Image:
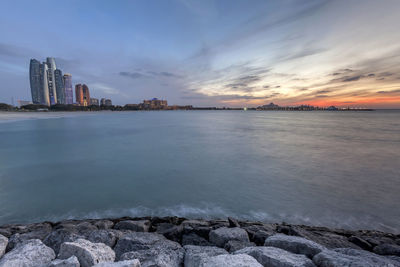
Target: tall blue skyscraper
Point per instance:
(69, 97)
(35, 80)
(59, 82)
(51, 64)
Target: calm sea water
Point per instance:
(339, 169)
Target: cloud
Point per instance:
(10, 50)
(132, 75)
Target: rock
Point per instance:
(108, 237)
(387, 249)
(88, 253)
(85, 228)
(260, 236)
(360, 242)
(170, 231)
(239, 260)
(222, 235)
(142, 240)
(137, 226)
(104, 224)
(195, 254)
(233, 222)
(233, 245)
(195, 223)
(59, 236)
(70, 262)
(31, 253)
(3, 245)
(294, 244)
(39, 231)
(276, 257)
(194, 239)
(352, 257)
(157, 257)
(127, 263)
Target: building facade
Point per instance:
(155, 104)
(105, 102)
(94, 101)
(59, 82)
(69, 96)
(36, 82)
(82, 94)
(51, 65)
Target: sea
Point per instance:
(336, 169)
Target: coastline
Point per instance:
(178, 241)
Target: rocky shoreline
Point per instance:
(175, 241)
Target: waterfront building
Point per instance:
(23, 103)
(59, 83)
(105, 102)
(69, 96)
(94, 101)
(36, 82)
(51, 65)
(44, 85)
(154, 104)
(82, 94)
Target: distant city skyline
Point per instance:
(207, 53)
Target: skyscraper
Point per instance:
(82, 94)
(35, 81)
(69, 97)
(59, 82)
(51, 64)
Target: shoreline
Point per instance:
(176, 241)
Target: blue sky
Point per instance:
(206, 53)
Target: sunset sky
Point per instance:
(210, 53)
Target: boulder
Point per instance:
(108, 237)
(170, 231)
(194, 239)
(360, 242)
(195, 254)
(88, 253)
(352, 257)
(39, 231)
(142, 240)
(276, 257)
(104, 224)
(238, 260)
(294, 244)
(70, 262)
(128, 263)
(195, 223)
(30, 253)
(233, 222)
(233, 245)
(222, 235)
(59, 236)
(160, 257)
(137, 226)
(3, 245)
(387, 249)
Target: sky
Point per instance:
(232, 53)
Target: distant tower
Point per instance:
(51, 64)
(35, 81)
(79, 94)
(69, 97)
(59, 82)
(86, 95)
(44, 92)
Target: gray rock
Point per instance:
(239, 260)
(30, 253)
(104, 224)
(141, 240)
(360, 242)
(88, 253)
(195, 254)
(234, 245)
(3, 245)
(157, 257)
(233, 222)
(387, 249)
(85, 228)
(127, 263)
(195, 223)
(108, 237)
(194, 239)
(59, 236)
(222, 235)
(352, 257)
(70, 262)
(294, 244)
(276, 257)
(137, 226)
(170, 231)
(39, 231)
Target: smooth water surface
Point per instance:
(339, 169)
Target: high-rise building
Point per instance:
(59, 82)
(51, 64)
(44, 90)
(82, 94)
(35, 81)
(69, 96)
(105, 102)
